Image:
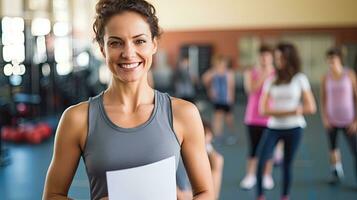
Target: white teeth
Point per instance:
(129, 65)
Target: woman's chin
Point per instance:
(132, 78)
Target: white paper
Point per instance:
(155, 181)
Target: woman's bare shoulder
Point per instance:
(183, 108)
(74, 121)
(78, 111)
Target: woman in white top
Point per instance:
(285, 99)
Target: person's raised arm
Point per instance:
(323, 103)
(67, 150)
(264, 108)
(251, 85)
(308, 103)
(188, 126)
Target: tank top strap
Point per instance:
(165, 107)
(93, 111)
(169, 111)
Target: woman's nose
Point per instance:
(128, 51)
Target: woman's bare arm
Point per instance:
(308, 103)
(265, 110)
(250, 85)
(188, 126)
(67, 150)
(323, 103)
(308, 106)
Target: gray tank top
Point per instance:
(110, 147)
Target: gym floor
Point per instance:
(24, 177)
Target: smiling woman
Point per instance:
(128, 46)
(129, 124)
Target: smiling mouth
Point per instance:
(129, 65)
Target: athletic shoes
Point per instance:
(336, 173)
(268, 182)
(248, 182)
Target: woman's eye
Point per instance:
(114, 44)
(140, 41)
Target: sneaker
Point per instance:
(268, 182)
(336, 174)
(248, 182)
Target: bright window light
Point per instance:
(63, 51)
(14, 53)
(40, 26)
(40, 53)
(46, 69)
(83, 59)
(6, 24)
(61, 29)
(104, 74)
(8, 70)
(64, 68)
(22, 69)
(8, 53)
(9, 38)
(16, 70)
(12, 24)
(18, 24)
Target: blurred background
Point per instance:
(48, 61)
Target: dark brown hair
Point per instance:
(264, 48)
(335, 51)
(290, 61)
(105, 9)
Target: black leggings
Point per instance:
(291, 139)
(350, 137)
(255, 133)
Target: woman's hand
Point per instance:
(299, 110)
(326, 123)
(352, 129)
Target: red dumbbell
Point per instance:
(34, 137)
(44, 129)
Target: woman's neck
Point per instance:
(337, 71)
(129, 94)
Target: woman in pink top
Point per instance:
(253, 83)
(338, 110)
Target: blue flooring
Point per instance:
(24, 177)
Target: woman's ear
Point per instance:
(154, 41)
(102, 50)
